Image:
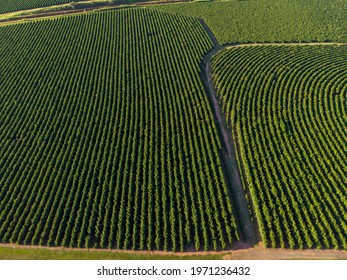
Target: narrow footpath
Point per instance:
(248, 231)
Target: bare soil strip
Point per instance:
(247, 228)
(286, 254)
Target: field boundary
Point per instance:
(140, 252)
(257, 253)
(242, 45)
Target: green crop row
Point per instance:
(286, 106)
(7, 6)
(106, 135)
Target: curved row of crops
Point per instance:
(287, 109)
(106, 135)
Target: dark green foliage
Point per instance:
(106, 135)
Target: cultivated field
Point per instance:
(174, 127)
(38, 8)
(16, 5)
(108, 139)
(286, 107)
(270, 20)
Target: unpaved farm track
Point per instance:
(285, 254)
(248, 229)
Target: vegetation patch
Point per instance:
(286, 107)
(107, 136)
(270, 21)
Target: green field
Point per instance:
(112, 134)
(287, 109)
(107, 137)
(17, 5)
(7, 6)
(15, 253)
(270, 20)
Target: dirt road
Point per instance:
(285, 254)
(247, 228)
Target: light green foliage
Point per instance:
(270, 20)
(107, 137)
(7, 253)
(286, 106)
